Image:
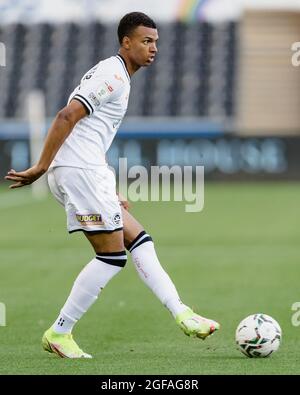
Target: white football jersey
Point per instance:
(104, 91)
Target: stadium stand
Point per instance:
(194, 74)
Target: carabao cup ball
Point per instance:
(258, 336)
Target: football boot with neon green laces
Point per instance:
(194, 325)
(62, 344)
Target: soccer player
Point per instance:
(80, 179)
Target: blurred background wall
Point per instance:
(223, 91)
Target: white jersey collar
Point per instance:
(121, 59)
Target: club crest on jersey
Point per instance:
(89, 219)
(117, 219)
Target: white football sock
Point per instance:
(151, 272)
(87, 286)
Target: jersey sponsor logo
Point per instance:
(117, 219)
(89, 219)
(94, 99)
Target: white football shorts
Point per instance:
(89, 198)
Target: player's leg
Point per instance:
(104, 232)
(141, 247)
(147, 264)
(110, 259)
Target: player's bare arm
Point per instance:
(60, 129)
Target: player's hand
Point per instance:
(23, 178)
(124, 202)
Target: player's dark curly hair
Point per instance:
(131, 21)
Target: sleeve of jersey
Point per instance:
(97, 91)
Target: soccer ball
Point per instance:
(258, 336)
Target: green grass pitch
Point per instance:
(239, 256)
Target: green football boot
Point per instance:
(194, 325)
(62, 344)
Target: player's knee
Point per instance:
(118, 258)
(140, 239)
(103, 242)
